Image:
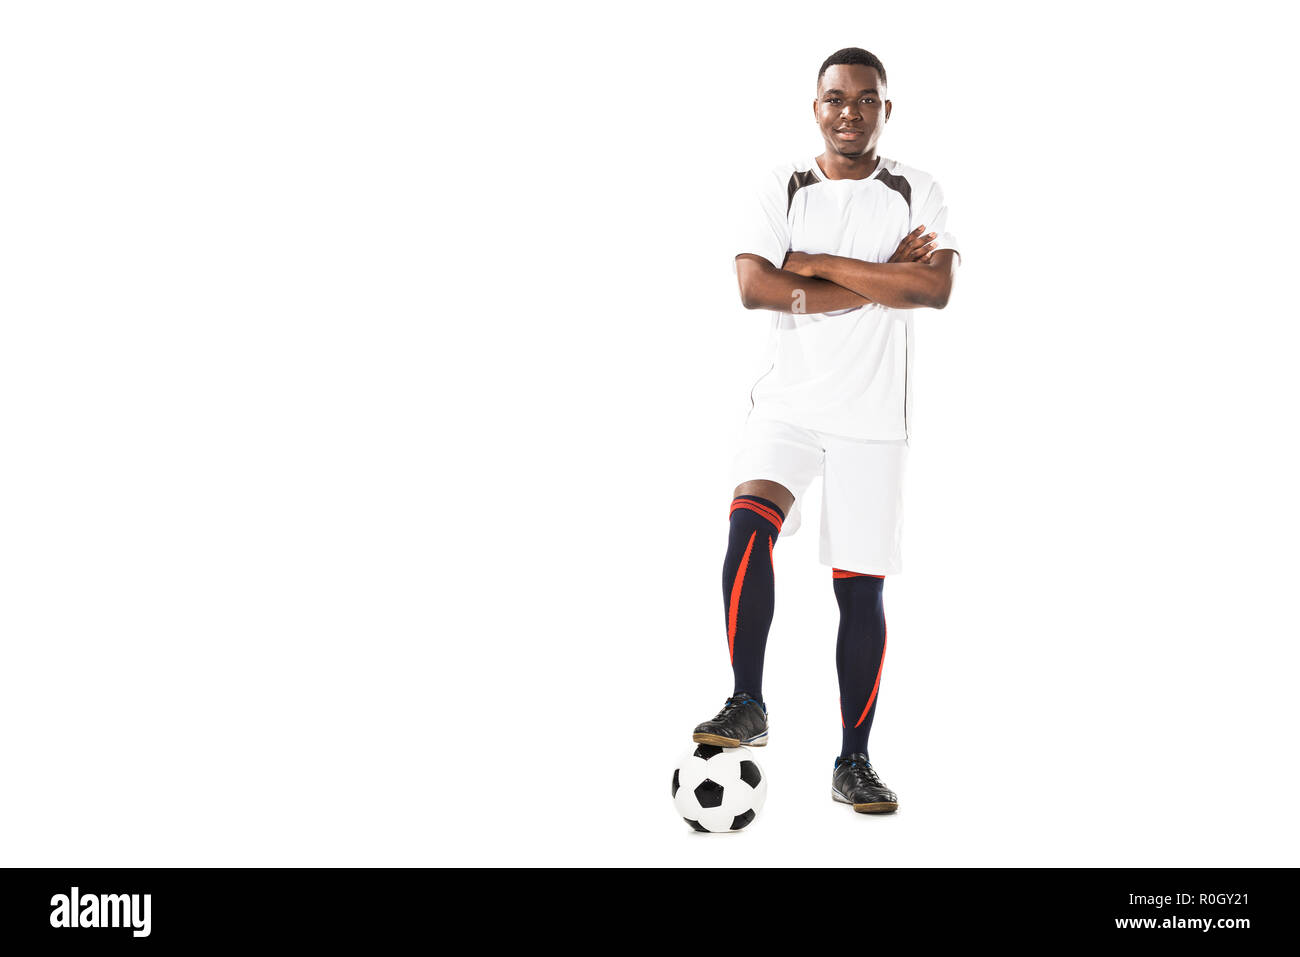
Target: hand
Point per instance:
(799, 263)
(915, 247)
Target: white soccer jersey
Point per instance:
(848, 372)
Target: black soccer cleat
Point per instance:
(855, 782)
(742, 721)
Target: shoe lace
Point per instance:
(734, 702)
(862, 773)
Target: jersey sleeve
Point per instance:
(764, 224)
(933, 214)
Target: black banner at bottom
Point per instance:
(145, 908)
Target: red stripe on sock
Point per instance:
(876, 687)
(841, 573)
(771, 515)
(734, 610)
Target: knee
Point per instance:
(857, 587)
(858, 594)
(774, 492)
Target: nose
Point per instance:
(850, 110)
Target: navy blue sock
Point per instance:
(859, 654)
(748, 587)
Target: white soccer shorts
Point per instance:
(862, 489)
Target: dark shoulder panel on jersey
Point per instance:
(800, 179)
(899, 183)
(797, 182)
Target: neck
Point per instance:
(839, 166)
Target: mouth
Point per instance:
(849, 132)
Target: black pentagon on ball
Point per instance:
(676, 782)
(707, 751)
(750, 774)
(696, 824)
(709, 793)
(742, 819)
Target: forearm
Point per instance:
(783, 291)
(906, 285)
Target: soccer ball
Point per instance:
(718, 789)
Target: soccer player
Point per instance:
(841, 249)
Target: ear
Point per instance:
(889, 108)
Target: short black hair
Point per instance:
(853, 56)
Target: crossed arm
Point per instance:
(915, 276)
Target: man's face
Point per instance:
(851, 109)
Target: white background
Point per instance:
(369, 379)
